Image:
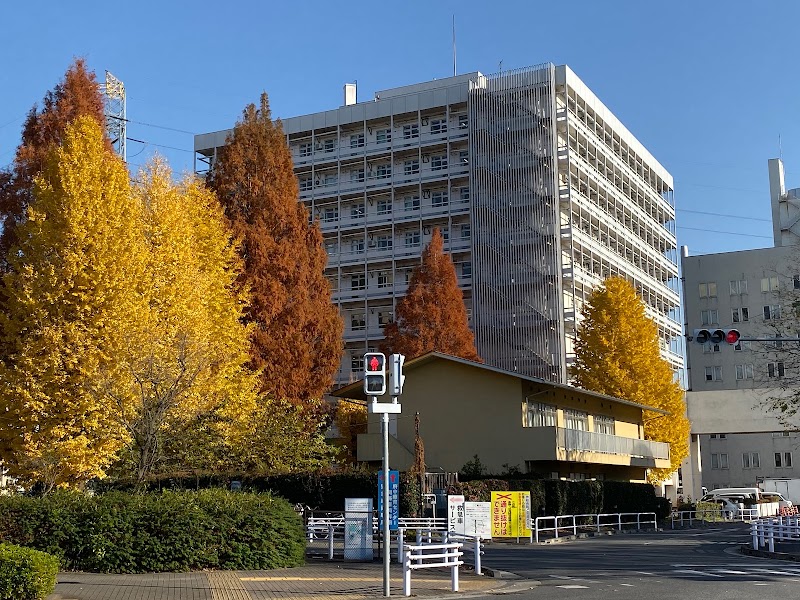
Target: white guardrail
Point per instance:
(766, 531)
(572, 523)
(684, 517)
(429, 556)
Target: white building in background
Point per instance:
(539, 190)
(735, 441)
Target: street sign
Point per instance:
(394, 499)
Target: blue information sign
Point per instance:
(394, 499)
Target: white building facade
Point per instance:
(736, 441)
(538, 189)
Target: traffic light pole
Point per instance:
(386, 534)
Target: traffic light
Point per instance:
(396, 377)
(716, 336)
(374, 374)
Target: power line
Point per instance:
(152, 125)
(700, 212)
(768, 237)
(159, 145)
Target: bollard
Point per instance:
(619, 521)
(754, 531)
(638, 521)
(407, 573)
(330, 542)
(400, 540)
(574, 526)
(771, 540)
(454, 571)
(478, 555)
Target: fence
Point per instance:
(712, 515)
(766, 531)
(572, 523)
(430, 556)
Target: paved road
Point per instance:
(703, 564)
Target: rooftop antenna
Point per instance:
(454, 45)
(780, 148)
(501, 66)
(116, 114)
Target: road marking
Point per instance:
(693, 572)
(773, 572)
(762, 584)
(627, 584)
(732, 572)
(645, 573)
(568, 578)
(573, 587)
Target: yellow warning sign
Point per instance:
(511, 514)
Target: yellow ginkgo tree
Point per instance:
(618, 354)
(70, 302)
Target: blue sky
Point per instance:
(707, 87)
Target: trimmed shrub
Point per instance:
(169, 531)
(26, 574)
(663, 508)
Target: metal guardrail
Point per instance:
(572, 523)
(591, 441)
(430, 556)
(712, 515)
(766, 531)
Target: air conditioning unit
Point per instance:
(426, 158)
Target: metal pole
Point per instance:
(386, 546)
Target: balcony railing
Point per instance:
(589, 441)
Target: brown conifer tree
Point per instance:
(432, 315)
(297, 340)
(78, 94)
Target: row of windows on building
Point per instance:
(358, 281)
(383, 135)
(708, 289)
(538, 414)
(751, 460)
(710, 316)
(385, 206)
(746, 371)
(436, 162)
(387, 241)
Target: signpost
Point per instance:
(374, 386)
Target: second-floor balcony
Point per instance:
(573, 445)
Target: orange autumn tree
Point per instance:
(78, 94)
(432, 315)
(617, 354)
(297, 334)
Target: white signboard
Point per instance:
(358, 529)
(478, 519)
(455, 514)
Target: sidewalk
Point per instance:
(317, 580)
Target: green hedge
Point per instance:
(170, 531)
(26, 574)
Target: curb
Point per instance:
(592, 534)
(749, 551)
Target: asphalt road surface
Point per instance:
(701, 563)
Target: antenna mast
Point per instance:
(454, 45)
(116, 116)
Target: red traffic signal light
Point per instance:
(732, 336)
(374, 374)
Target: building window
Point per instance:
(384, 207)
(739, 346)
(357, 246)
(358, 281)
(439, 198)
(796, 282)
(738, 287)
(357, 140)
(540, 415)
(385, 317)
(772, 312)
(384, 279)
(357, 210)
(411, 203)
(744, 372)
(751, 460)
(775, 369)
(357, 176)
(709, 317)
(329, 145)
(410, 131)
(438, 126)
(709, 347)
(465, 194)
(411, 167)
(383, 171)
(356, 364)
(769, 284)
(719, 461)
(330, 214)
(708, 290)
(438, 162)
(740, 315)
(306, 184)
(384, 242)
(463, 157)
(412, 239)
(465, 231)
(463, 121)
(383, 136)
(576, 419)
(330, 179)
(358, 322)
(306, 149)
(466, 269)
(604, 425)
(713, 373)
(787, 460)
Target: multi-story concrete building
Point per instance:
(539, 191)
(735, 440)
